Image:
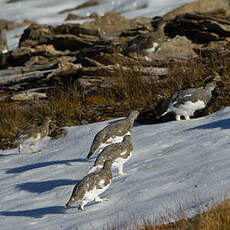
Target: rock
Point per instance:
(37, 34)
(28, 96)
(84, 5)
(199, 28)
(78, 17)
(201, 6)
(69, 42)
(75, 17)
(177, 48)
(39, 55)
(107, 24)
(46, 50)
(65, 69)
(93, 56)
(9, 25)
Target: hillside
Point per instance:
(73, 63)
(175, 164)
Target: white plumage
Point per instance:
(186, 102)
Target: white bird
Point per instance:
(119, 153)
(186, 102)
(31, 134)
(113, 133)
(91, 186)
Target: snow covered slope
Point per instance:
(179, 162)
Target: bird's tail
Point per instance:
(162, 114)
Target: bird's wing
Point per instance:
(108, 153)
(23, 133)
(99, 138)
(117, 126)
(181, 97)
(191, 94)
(79, 190)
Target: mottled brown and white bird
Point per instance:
(3, 42)
(119, 153)
(186, 102)
(113, 133)
(31, 134)
(148, 43)
(91, 186)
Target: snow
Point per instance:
(182, 163)
(47, 12)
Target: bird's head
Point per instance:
(212, 78)
(211, 81)
(133, 115)
(157, 22)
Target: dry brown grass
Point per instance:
(216, 217)
(131, 91)
(64, 107)
(136, 93)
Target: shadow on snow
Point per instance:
(223, 124)
(44, 164)
(35, 213)
(44, 186)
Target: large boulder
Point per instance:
(177, 48)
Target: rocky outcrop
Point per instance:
(95, 59)
(201, 6)
(94, 54)
(90, 52)
(199, 28)
(179, 48)
(84, 5)
(10, 25)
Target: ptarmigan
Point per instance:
(31, 134)
(147, 43)
(91, 186)
(113, 133)
(119, 153)
(186, 102)
(3, 42)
